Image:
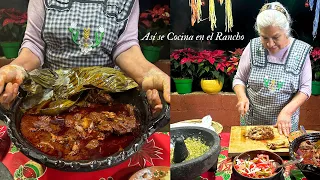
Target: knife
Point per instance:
(303, 130)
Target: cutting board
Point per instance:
(239, 143)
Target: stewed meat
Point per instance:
(83, 132)
(260, 133)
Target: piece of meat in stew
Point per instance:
(98, 129)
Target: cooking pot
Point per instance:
(308, 170)
(148, 125)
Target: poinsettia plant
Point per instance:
(212, 65)
(233, 61)
(12, 25)
(153, 24)
(315, 63)
(183, 63)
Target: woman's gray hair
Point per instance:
(274, 14)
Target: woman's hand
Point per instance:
(284, 123)
(11, 76)
(156, 80)
(243, 105)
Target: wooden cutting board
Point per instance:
(239, 143)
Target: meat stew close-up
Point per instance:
(93, 128)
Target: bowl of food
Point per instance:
(307, 146)
(194, 150)
(81, 119)
(295, 134)
(257, 164)
(152, 173)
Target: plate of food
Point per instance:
(152, 173)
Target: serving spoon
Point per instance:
(291, 162)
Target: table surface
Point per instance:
(155, 152)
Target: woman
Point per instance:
(73, 33)
(274, 75)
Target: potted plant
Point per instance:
(232, 66)
(212, 66)
(153, 29)
(12, 28)
(315, 64)
(183, 68)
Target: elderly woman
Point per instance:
(274, 75)
(67, 33)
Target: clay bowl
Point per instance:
(195, 167)
(308, 170)
(251, 154)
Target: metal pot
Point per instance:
(148, 125)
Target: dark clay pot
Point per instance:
(148, 125)
(278, 176)
(195, 167)
(308, 170)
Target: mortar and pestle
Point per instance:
(190, 169)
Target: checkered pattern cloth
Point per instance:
(271, 86)
(108, 16)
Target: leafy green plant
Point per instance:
(13, 25)
(315, 63)
(183, 63)
(153, 24)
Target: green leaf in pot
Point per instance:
(61, 85)
(80, 79)
(57, 107)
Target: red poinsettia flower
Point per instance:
(315, 54)
(13, 23)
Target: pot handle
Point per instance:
(162, 119)
(5, 113)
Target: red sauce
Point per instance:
(111, 144)
(310, 153)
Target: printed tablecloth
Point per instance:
(155, 152)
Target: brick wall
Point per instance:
(222, 108)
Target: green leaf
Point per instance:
(219, 173)
(297, 174)
(215, 74)
(226, 176)
(176, 64)
(221, 79)
(201, 73)
(190, 72)
(207, 69)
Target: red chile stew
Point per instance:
(310, 151)
(82, 133)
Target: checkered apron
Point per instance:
(83, 32)
(271, 86)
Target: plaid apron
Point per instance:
(272, 86)
(83, 32)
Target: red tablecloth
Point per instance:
(155, 152)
